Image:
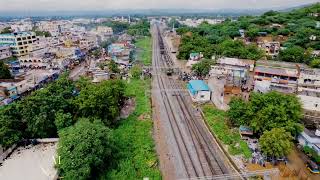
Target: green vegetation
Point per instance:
(136, 71)
(4, 71)
(93, 143)
(296, 29)
(113, 67)
(43, 33)
(84, 149)
(203, 67)
(294, 54)
(274, 116)
(312, 154)
(267, 111)
(137, 158)
(139, 29)
(6, 30)
(276, 143)
(217, 121)
(145, 46)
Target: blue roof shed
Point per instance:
(197, 85)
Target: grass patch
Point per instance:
(145, 46)
(136, 157)
(216, 120)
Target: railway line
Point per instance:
(198, 152)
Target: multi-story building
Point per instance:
(5, 52)
(105, 30)
(53, 27)
(21, 26)
(18, 42)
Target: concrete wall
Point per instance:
(201, 96)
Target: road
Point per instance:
(192, 150)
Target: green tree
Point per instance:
(4, 71)
(6, 30)
(238, 112)
(252, 33)
(136, 71)
(113, 67)
(292, 54)
(203, 67)
(101, 101)
(11, 125)
(43, 33)
(84, 149)
(276, 143)
(267, 111)
(315, 63)
(273, 110)
(63, 120)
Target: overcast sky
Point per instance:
(76, 5)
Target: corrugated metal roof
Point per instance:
(197, 85)
(277, 71)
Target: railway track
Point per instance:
(198, 151)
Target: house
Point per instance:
(245, 131)
(5, 52)
(310, 138)
(310, 103)
(8, 93)
(195, 56)
(271, 48)
(242, 33)
(313, 38)
(199, 91)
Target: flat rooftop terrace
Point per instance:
(30, 163)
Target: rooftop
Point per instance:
(18, 33)
(34, 162)
(197, 85)
(277, 71)
(235, 62)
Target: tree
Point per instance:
(113, 67)
(136, 71)
(252, 33)
(238, 112)
(101, 101)
(292, 54)
(276, 143)
(6, 30)
(267, 111)
(63, 120)
(315, 63)
(43, 33)
(4, 71)
(203, 67)
(11, 125)
(84, 149)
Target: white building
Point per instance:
(18, 42)
(5, 52)
(199, 91)
(21, 26)
(310, 138)
(53, 27)
(105, 30)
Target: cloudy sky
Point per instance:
(53, 5)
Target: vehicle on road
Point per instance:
(313, 167)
